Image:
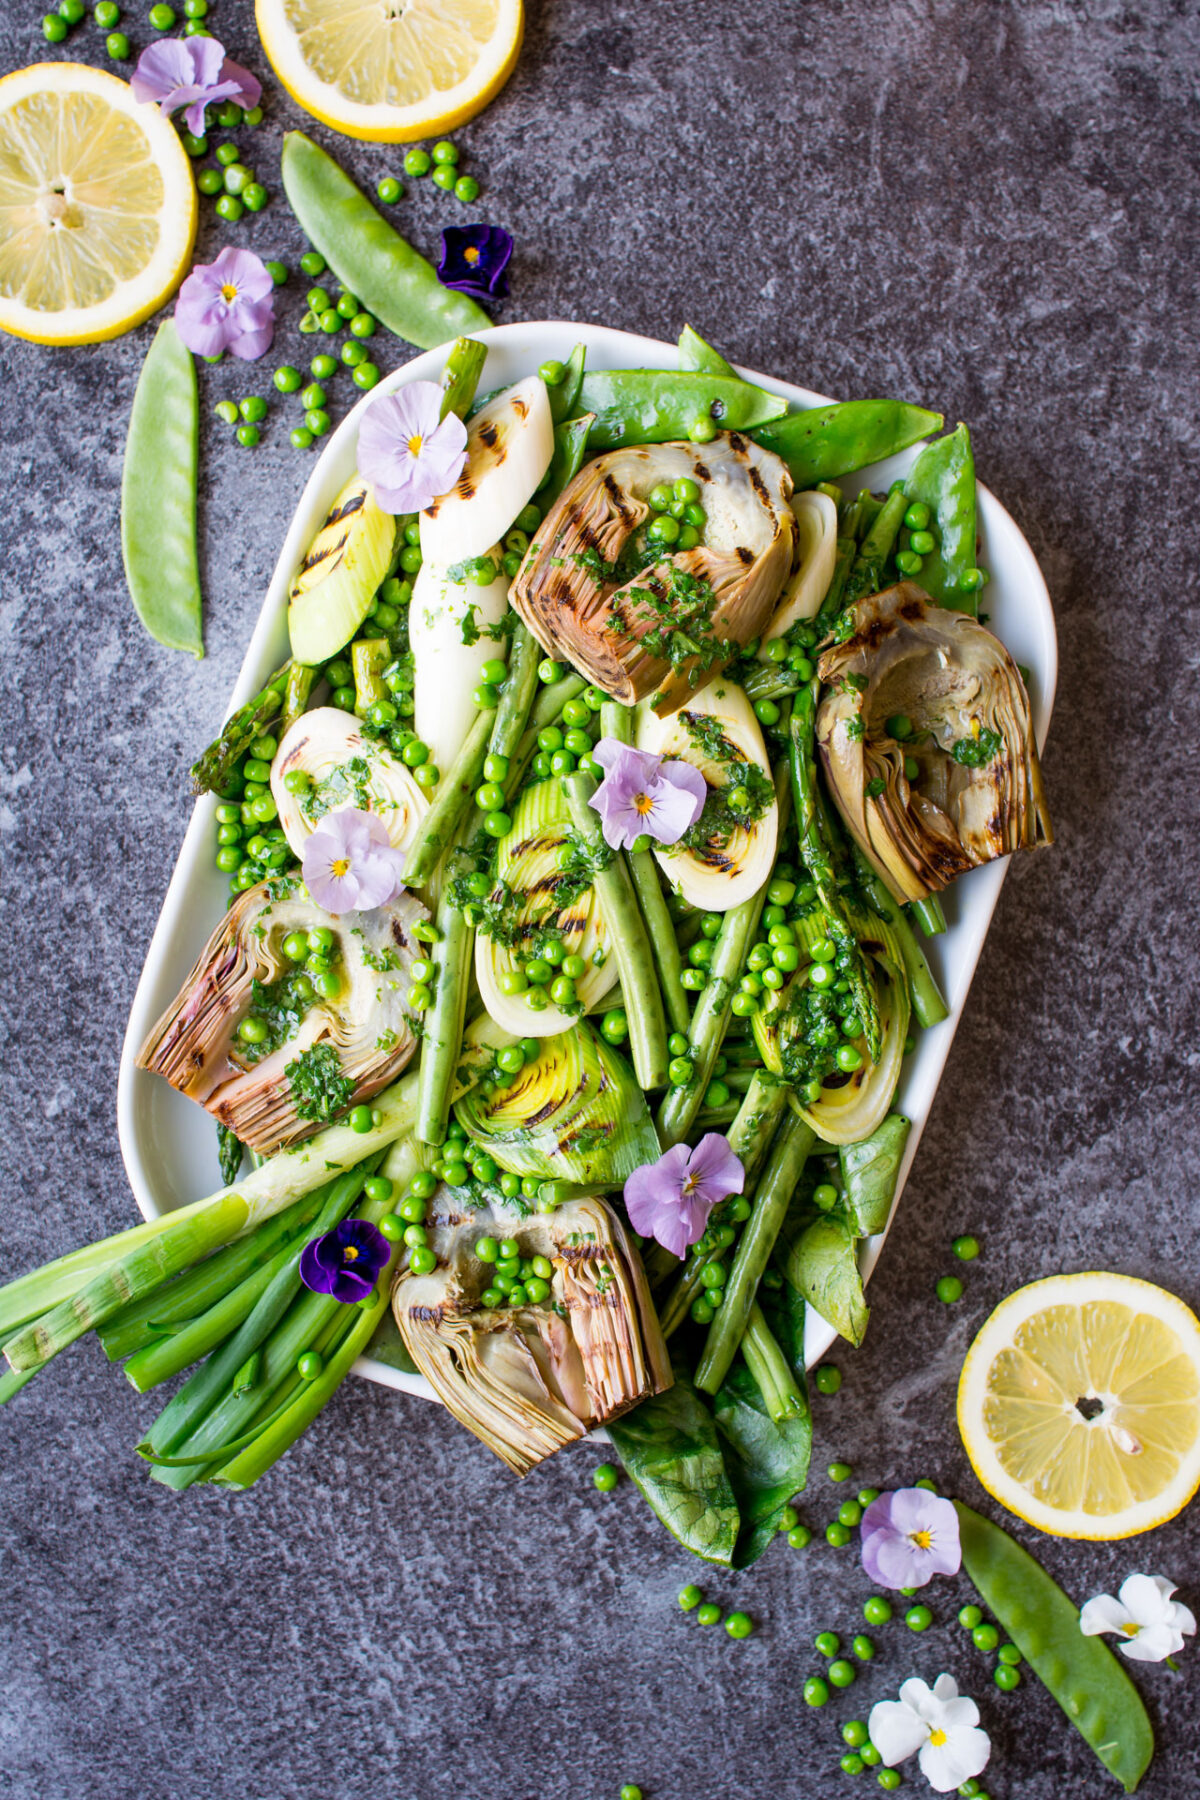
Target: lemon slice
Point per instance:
(97, 205)
(1079, 1405)
(392, 69)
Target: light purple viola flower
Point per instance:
(350, 864)
(670, 1200)
(474, 260)
(643, 796)
(407, 451)
(228, 304)
(909, 1536)
(346, 1261)
(193, 72)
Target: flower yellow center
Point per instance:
(1131, 1630)
(229, 292)
(471, 254)
(414, 443)
(690, 1184)
(350, 1253)
(937, 1737)
(340, 867)
(642, 803)
(922, 1539)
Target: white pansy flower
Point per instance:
(937, 1725)
(1149, 1624)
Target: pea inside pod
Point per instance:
(654, 406)
(158, 495)
(823, 442)
(1080, 1672)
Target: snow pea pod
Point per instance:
(823, 442)
(1081, 1673)
(652, 406)
(564, 397)
(943, 477)
(368, 257)
(158, 495)
(694, 353)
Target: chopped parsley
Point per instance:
(280, 1006)
(319, 1089)
(977, 752)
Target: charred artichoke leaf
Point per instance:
(978, 793)
(638, 625)
(318, 1056)
(573, 1113)
(529, 1379)
(345, 768)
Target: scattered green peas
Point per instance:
(162, 17)
(866, 1495)
(889, 1779)
(317, 421)
(107, 14)
(209, 181)
(877, 1610)
(839, 1471)
(708, 1614)
(918, 1618)
(360, 1119)
(118, 46)
(985, 1637)
(827, 1643)
(630, 1791)
(703, 431)
(1008, 1653)
(689, 1597)
(854, 1733)
(390, 190)
(843, 1674)
(970, 1616)
(309, 1365)
(851, 1763)
(1006, 1677)
(604, 1478)
(949, 1289)
(254, 410)
(422, 1261)
(863, 1648)
(302, 439)
(739, 1625)
(816, 1691)
(444, 176)
(966, 1248)
(799, 1537)
(837, 1534)
(366, 375)
(248, 436)
(444, 151)
(229, 208)
(287, 379)
(466, 189)
(226, 411)
(850, 1512)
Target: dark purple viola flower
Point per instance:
(346, 1261)
(909, 1536)
(474, 260)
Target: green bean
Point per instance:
(823, 442)
(215, 765)
(774, 1375)
(368, 257)
(564, 396)
(943, 476)
(1081, 1673)
(547, 710)
(831, 606)
(455, 794)
(619, 907)
(443, 1022)
(460, 377)
(929, 915)
(928, 1006)
(158, 495)
(369, 657)
(651, 406)
(517, 697)
(788, 1155)
(296, 695)
(570, 447)
(694, 353)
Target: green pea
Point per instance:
(917, 516)
(889, 1779)
(466, 189)
(107, 14)
(229, 208)
(837, 1534)
(799, 1537)
(970, 1616)
(630, 1791)
(851, 1763)
(444, 151)
(703, 431)
(922, 542)
(850, 1512)
(869, 1754)
(966, 1248)
(317, 420)
(444, 176)
(1006, 1677)
(908, 562)
(162, 17)
(604, 1478)
(949, 1289)
(253, 409)
(309, 1365)
(839, 1471)
(816, 1691)
(347, 306)
(827, 1643)
(842, 1673)
(118, 46)
(854, 1733)
(663, 529)
(248, 436)
(985, 1637)
(708, 1614)
(209, 181)
(226, 411)
(918, 1618)
(739, 1625)
(689, 1597)
(828, 1379)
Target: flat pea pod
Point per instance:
(368, 257)
(823, 442)
(1081, 1673)
(564, 397)
(158, 495)
(650, 406)
(694, 353)
(943, 476)
(570, 447)
(870, 1170)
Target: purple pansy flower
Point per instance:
(474, 260)
(346, 1261)
(641, 795)
(192, 72)
(227, 305)
(671, 1199)
(909, 1536)
(407, 451)
(350, 864)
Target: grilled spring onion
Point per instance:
(344, 768)
(340, 573)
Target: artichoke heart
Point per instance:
(637, 624)
(336, 582)
(574, 1113)
(729, 852)
(528, 1379)
(306, 1059)
(977, 793)
(345, 769)
(799, 1029)
(535, 897)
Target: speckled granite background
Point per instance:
(989, 207)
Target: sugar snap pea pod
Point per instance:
(213, 769)
(564, 396)
(460, 377)
(928, 1006)
(870, 1170)
(368, 257)
(158, 495)
(943, 478)
(455, 793)
(823, 442)
(1081, 1673)
(570, 447)
(694, 353)
(614, 891)
(443, 1023)
(788, 1155)
(651, 406)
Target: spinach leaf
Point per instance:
(670, 1449)
(870, 1170)
(822, 1265)
(767, 1463)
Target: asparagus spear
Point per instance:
(295, 700)
(454, 795)
(213, 769)
(771, 1370)
(460, 377)
(928, 1006)
(443, 1023)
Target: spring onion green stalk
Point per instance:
(163, 1357)
(929, 915)
(928, 1006)
(455, 794)
(460, 377)
(771, 1370)
(443, 1023)
(775, 1190)
(616, 721)
(631, 951)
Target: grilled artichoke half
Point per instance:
(978, 791)
(340, 1051)
(529, 1379)
(667, 627)
(344, 769)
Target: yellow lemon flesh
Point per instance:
(97, 205)
(392, 69)
(1079, 1405)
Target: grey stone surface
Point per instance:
(989, 207)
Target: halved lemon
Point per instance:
(1079, 1405)
(97, 205)
(392, 69)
